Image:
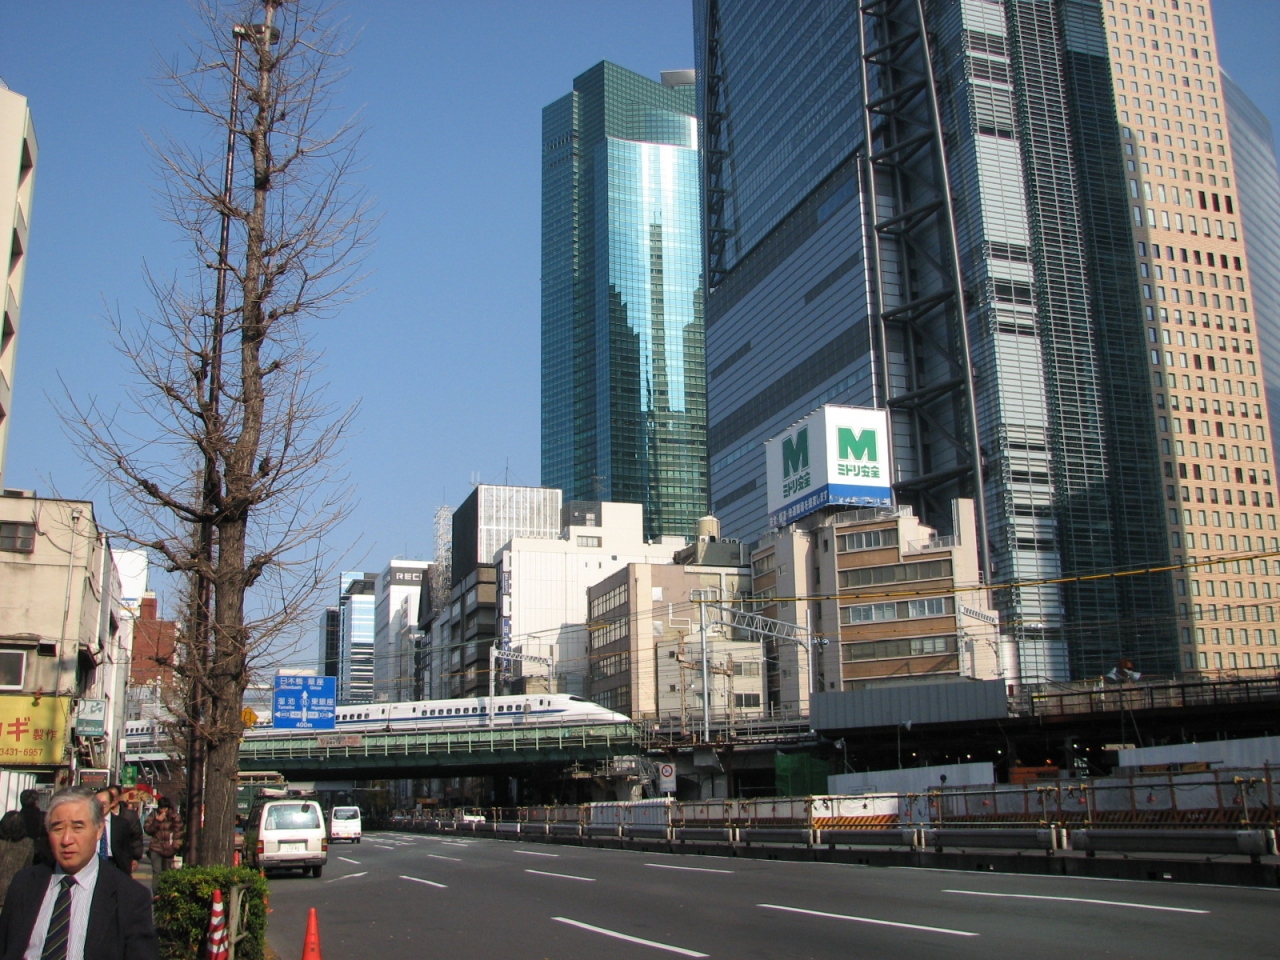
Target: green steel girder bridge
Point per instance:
(328, 756)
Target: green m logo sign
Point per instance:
(795, 453)
(856, 446)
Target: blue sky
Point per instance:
(442, 351)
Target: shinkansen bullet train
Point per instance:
(533, 710)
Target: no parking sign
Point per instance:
(666, 778)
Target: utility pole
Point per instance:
(706, 688)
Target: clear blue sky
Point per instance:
(442, 352)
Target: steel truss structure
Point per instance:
(925, 374)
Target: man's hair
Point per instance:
(28, 797)
(74, 795)
(116, 789)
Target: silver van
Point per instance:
(287, 835)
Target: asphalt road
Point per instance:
(416, 897)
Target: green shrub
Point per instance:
(184, 902)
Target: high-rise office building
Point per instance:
(988, 297)
(17, 174)
(1253, 149)
(623, 369)
(1201, 277)
(356, 604)
(396, 634)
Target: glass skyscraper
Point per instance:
(623, 366)
(1048, 306)
(1258, 180)
(356, 611)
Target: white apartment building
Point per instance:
(542, 585)
(62, 638)
(17, 178)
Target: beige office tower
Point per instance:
(1206, 373)
(17, 175)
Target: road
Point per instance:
(416, 897)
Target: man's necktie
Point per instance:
(104, 850)
(57, 940)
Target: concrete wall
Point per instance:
(1250, 752)
(911, 780)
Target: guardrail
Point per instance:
(1210, 813)
(1052, 840)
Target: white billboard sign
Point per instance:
(834, 456)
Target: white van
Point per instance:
(286, 834)
(344, 824)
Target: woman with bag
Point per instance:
(165, 829)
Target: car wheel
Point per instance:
(357, 839)
(316, 871)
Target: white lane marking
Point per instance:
(630, 939)
(436, 856)
(349, 860)
(878, 923)
(1105, 903)
(562, 876)
(348, 876)
(672, 866)
(536, 853)
(429, 883)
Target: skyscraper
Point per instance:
(1258, 182)
(17, 174)
(1200, 297)
(988, 297)
(356, 604)
(623, 368)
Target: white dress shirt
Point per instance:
(81, 900)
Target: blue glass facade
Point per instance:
(1253, 148)
(1071, 466)
(356, 608)
(623, 365)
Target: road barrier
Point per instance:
(1205, 812)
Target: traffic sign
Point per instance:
(304, 703)
(248, 717)
(129, 775)
(666, 778)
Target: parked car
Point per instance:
(344, 824)
(286, 835)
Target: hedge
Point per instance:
(184, 902)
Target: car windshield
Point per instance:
(346, 813)
(293, 816)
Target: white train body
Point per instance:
(471, 713)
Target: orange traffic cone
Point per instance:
(311, 943)
(217, 948)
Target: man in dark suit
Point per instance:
(80, 909)
(121, 842)
(33, 820)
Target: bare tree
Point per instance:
(222, 461)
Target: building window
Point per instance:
(17, 537)
(13, 669)
(900, 573)
(901, 610)
(746, 699)
(867, 540)
(589, 541)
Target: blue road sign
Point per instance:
(304, 703)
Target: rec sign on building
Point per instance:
(836, 455)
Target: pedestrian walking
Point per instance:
(16, 849)
(165, 829)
